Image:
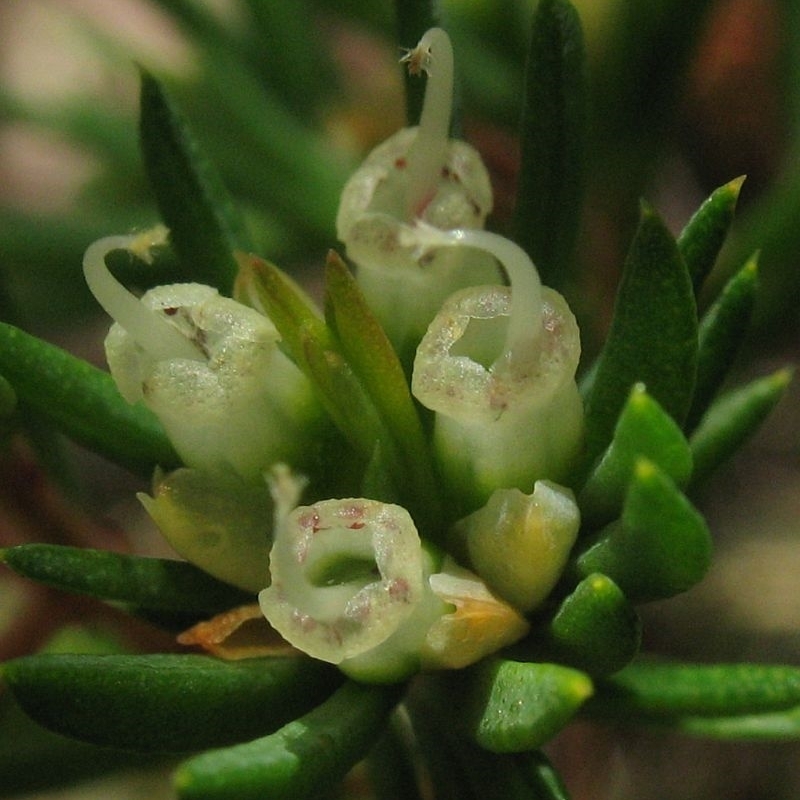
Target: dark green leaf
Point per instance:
(296, 761)
(545, 783)
(513, 706)
(595, 629)
(653, 335)
(33, 759)
(552, 134)
(83, 402)
(204, 226)
(390, 764)
(643, 429)
(722, 330)
(731, 420)
(300, 71)
(660, 547)
(8, 401)
(702, 238)
(146, 584)
(771, 726)
(165, 702)
(662, 690)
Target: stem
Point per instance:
(147, 327)
(426, 156)
(526, 289)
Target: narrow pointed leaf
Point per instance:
(296, 761)
(645, 430)
(205, 228)
(653, 335)
(147, 584)
(545, 783)
(313, 347)
(513, 706)
(722, 330)
(660, 547)
(165, 702)
(379, 371)
(770, 726)
(82, 402)
(284, 302)
(552, 135)
(731, 420)
(363, 398)
(667, 690)
(701, 240)
(595, 629)
(345, 400)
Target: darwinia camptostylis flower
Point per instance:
(417, 174)
(350, 580)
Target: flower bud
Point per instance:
(519, 543)
(217, 521)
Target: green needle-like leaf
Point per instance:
(731, 420)
(771, 726)
(663, 691)
(165, 702)
(653, 335)
(313, 347)
(643, 430)
(552, 136)
(375, 363)
(145, 584)
(284, 302)
(83, 402)
(298, 760)
(545, 783)
(595, 629)
(702, 238)
(513, 706)
(722, 330)
(660, 547)
(204, 226)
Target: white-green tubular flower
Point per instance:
(418, 173)
(519, 543)
(497, 365)
(209, 368)
(352, 584)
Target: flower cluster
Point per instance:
(491, 356)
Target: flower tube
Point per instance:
(497, 365)
(418, 173)
(209, 367)
(353, 584)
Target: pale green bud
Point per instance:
(519, 543)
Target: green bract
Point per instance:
(412, 526)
